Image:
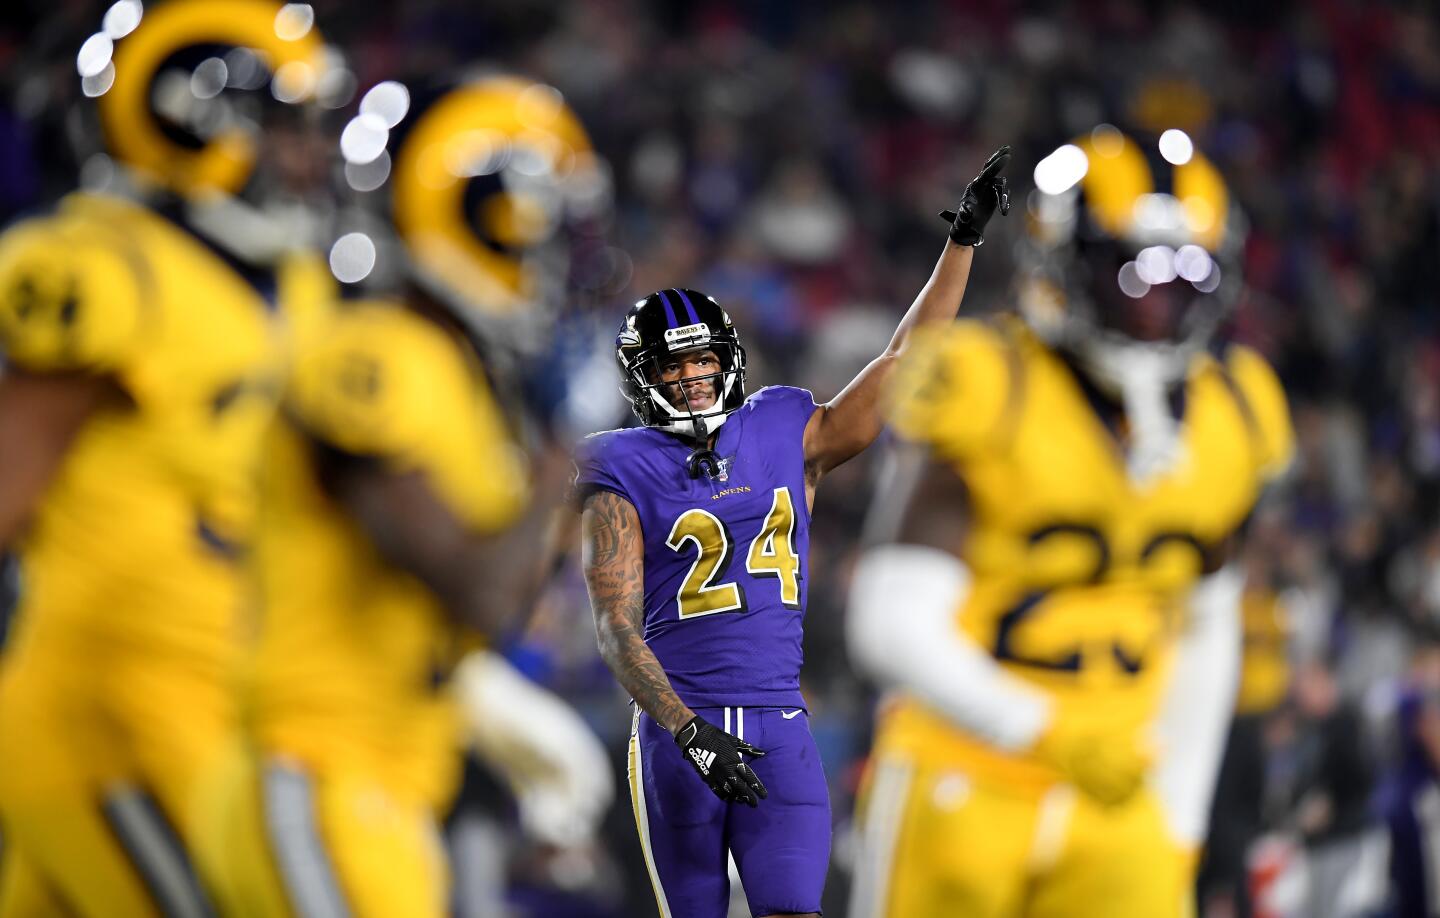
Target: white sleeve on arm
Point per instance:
(1195, 712)
(901, 630)
(553, 762)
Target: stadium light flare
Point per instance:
(1211, 282)
(337, 83)
(476, 152)
(389, 100)
(294, 21)
(1192, 263)
(243, 69)
(94, 55)
(368, 176)
(1156, 264)
(122, 18)
(293, 82)
(364, 139)
(209, 78)
(1061, 170)
(1130, 281)
(352, 258)
(538, 105)
(100, 83)
(1106, 140)
(1176, 147)
(1158, 212)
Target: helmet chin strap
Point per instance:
(703, 459)
(1140, 375)
(697, 425)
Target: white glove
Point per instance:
(552, 761)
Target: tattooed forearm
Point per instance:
(614, 561)
(625, 652)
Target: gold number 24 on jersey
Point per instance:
(772, 554)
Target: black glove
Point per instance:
(715, 756)
(985, 192)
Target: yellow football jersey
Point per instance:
(1080, 573)
(118, 680)
(135, 538)
(353, 654)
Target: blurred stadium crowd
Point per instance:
(788, 158)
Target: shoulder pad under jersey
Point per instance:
(952, 387)
(72, 297)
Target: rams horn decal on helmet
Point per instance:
(466, 239)
(224, 161)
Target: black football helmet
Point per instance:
(668, 322)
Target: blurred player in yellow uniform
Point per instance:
(398, 507)
(1050, 600)
(140, 331)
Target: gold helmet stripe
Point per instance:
(1206, 200)
(1117, 176)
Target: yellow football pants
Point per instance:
(935, 843)
(96, 785)
(286, 841)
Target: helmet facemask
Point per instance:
(650, 397)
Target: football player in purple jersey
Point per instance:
(696, 537)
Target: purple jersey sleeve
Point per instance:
(792, 405)
(594, 470)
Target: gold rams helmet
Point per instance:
(1133, 244)
(467, 193)
(170, 81)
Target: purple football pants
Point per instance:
(781, 848)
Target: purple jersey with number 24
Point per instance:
(725, 557)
